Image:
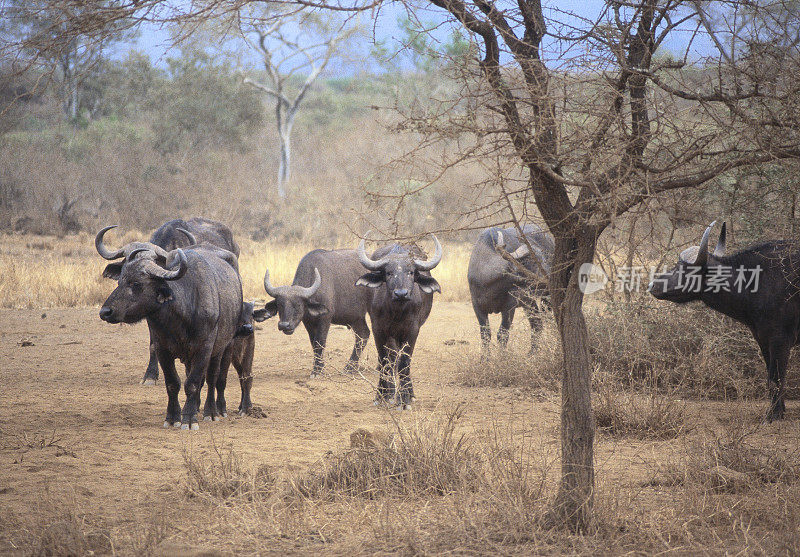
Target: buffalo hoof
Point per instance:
(194, 427)
(176, 425)
(148, 382)
(406, 406)
(167, 425)
(224, 414)
(208, 418)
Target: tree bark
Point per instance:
(574, 501)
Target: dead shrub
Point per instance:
(688, 350)
(735, 460)
(70, 533)
(428, 458)
(222, 476)
(649, 416)
(540, 370)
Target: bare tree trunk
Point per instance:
(285, 165)
(575, 498)
(70, 82)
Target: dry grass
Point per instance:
(677, 349)
(48, 271)
(650, 416)
(429, 458)
(514, 366)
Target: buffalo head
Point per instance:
(399, 271)
(684, 282)
(292, 303)
(142, 286)
(124, 253)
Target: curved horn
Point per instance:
(104, 252)
(431, 263)
(364, 258)
(500, 240)
(719, 251)
(702, 252)
(271, 290)
(520, 252)
(192, 239)
(154, 270)
(307, 292)
(132, 254)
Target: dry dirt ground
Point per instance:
(77, 430)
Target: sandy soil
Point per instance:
(76, 424)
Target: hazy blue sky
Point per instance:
(155, 40)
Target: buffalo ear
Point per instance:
(270, 310)
(428, 284)
(113, 271)
(373, 279)
(163, 294)
(316, 310)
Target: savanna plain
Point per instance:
(683, 461)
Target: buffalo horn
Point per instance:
(192, 239)
(104, 252)
(366, 261)
(307, 292)
(719, 251)
(154, 270)
(431, 263)
(500, 240)
(271, 290)
(702, 252)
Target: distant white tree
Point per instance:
(294, 47)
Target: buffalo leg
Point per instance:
(151, 373)
(536, 326)
(406, 388)
(385, 370)
(505, 327)
(486, 330)
(173, 384)
(222, 382)
(244, 368)
(361, 331)
(777, 360)
(197, 372)
(318, 335)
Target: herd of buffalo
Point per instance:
(185, 283)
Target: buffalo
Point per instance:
(757, 286)
(169, 236)
(240, 355)
(496, 285)
(401, 301)
(322, 293)
(192, 301)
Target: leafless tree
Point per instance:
(585, 118)
(294, 49)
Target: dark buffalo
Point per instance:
(322, 293)
(757, 286)
(192, 301)
(169, 236)
(400, 304)
(496, 285)
(241, 356)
